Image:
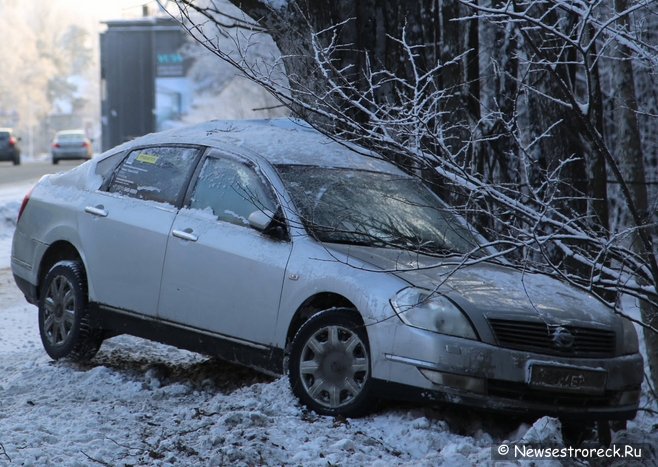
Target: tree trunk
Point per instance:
(598, 186)
(366, 36)
(631, 162)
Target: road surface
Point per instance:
(28, 171)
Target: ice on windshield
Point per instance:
(376, 209)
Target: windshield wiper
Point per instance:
(345, 241)
(428, 248)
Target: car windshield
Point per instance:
(375, 209)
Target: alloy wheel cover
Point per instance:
(334, 366)
(59, 311)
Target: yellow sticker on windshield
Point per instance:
(147, 158)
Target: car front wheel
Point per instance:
(64, 322)
(330, 364)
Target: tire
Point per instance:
(329, 368)
(17, 160)
(55, 161)
(64, 322)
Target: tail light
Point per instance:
(12, 141)
(85, 144)
(24, 204)
(56, 145)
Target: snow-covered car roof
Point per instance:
(278, 141)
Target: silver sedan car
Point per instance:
(268, 244)
(69, 145)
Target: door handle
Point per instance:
(97, 210)
(185, 234)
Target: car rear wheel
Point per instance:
(55, 161)
(17, 160)
(64, 322)
(330, 364)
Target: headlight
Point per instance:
(630, 344)
(423, 309)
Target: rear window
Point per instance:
(70, 137)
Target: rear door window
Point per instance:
(156, 174)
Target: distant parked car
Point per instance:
(273, 246)
(9, 150)
(71, 145)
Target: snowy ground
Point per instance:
(140, 403)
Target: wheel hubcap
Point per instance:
(59, 311)
(334, 366)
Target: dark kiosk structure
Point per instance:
(143, 83)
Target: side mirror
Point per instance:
(260, 220)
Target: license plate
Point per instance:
(567, 379)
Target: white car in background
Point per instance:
(270, 245)
(71, 145)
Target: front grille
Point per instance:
(539, 337)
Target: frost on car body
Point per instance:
(266, 243)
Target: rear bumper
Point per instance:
(8, 155)
(70, 155)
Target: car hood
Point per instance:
(488, 288)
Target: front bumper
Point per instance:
(428, 366)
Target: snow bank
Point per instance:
(9, 205)
(143, 403)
